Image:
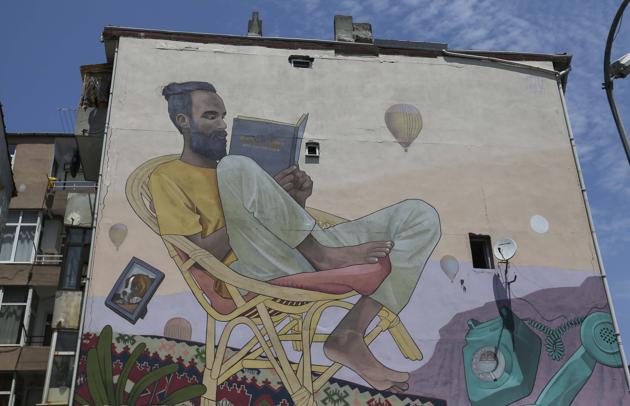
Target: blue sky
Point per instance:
(43, 43)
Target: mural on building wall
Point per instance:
(255, 255)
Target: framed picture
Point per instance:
(134, 289)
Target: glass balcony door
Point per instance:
(19, 240)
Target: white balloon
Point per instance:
(450, 266)
(539, 224)
(117, 234)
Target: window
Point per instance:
(7, 388)
(12, 149)
(15, 305)
(18, 241)
(59, 380)
(481, 249)
(76, 257)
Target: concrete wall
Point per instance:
(6, 177)
(493, 157)
(32, 166)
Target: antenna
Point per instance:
(504, 249)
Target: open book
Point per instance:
(272, 144)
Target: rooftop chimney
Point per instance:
(347, 31)
(254, 26)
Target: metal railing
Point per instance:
(78, 186)
(48, 259)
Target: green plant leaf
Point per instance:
(94, 379)
(184, 394)
(79, 399)
(104, 350)
(124, 374)
(147, 380)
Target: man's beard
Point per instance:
(212, 146)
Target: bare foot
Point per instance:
(324, 258)
(349, 349)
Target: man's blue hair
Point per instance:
(178, 97)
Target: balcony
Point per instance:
(73, 200)
(31, 358)
(96, 85)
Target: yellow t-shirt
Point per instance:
(186, 201)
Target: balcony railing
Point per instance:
(76, 186)
(48, 259)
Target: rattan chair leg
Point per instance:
(401, 335)
(210, 397)
(291, 381)
(297, 329)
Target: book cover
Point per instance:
(272, 144)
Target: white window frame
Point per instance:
(12, 154)
(51, 359)
(11, 393)
(18, 225)
(27, 315)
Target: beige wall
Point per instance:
(494, 150)
(33, 163)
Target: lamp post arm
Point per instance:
(608, 83)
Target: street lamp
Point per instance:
(619, 69)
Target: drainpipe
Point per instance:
(593, 236)
(94, 224)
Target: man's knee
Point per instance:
(426, 214)
(235, 164)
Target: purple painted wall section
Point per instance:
(443, 376)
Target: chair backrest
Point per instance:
(138, 193)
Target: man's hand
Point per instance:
(296, 182)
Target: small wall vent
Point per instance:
(312, 152)
(301, 61)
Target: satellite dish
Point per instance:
(504, 249)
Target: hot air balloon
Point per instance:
(404, 122)
(178, 328)
(118, 233)
(450, 266)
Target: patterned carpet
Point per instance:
(250, 387)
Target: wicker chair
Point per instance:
(274, 314)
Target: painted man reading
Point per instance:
(259, 227)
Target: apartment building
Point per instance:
(43, 261)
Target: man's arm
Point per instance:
(176, 216)
(296, 182)
(217, 243)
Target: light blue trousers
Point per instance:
(265, 225)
